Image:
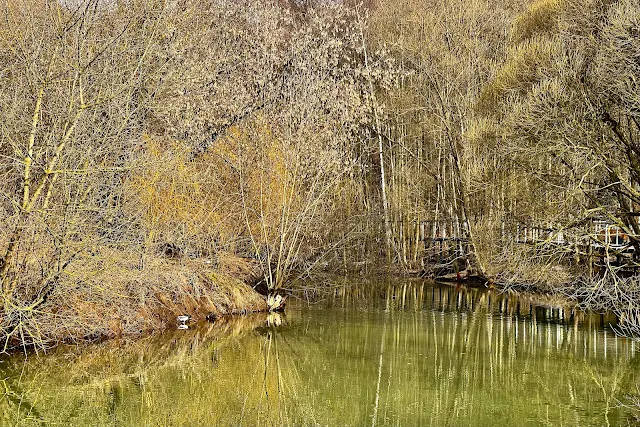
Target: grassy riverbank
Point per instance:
(111, 294)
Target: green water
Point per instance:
(404, 355)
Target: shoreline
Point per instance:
(113, 295)
(121, 300)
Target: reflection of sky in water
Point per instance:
(403, 356)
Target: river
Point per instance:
(408, 354)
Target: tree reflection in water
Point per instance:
(405, 354)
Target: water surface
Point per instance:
(404, 355)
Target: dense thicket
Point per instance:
(307, 135)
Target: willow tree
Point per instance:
(571, 118)
(563, 108)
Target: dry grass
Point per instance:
(541, 17)
(112, 293)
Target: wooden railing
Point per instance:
(446, 240)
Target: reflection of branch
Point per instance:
(374, 418)
(19, 399)
(465, 350)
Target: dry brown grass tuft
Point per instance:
(541, 17)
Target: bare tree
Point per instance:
(72, 111)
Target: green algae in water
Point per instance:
(415, 355)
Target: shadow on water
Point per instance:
(406, 354)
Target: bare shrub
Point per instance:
(613, 293)
(77, 82)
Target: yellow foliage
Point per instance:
(268, 176)
(178, 199)
(246, 181)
